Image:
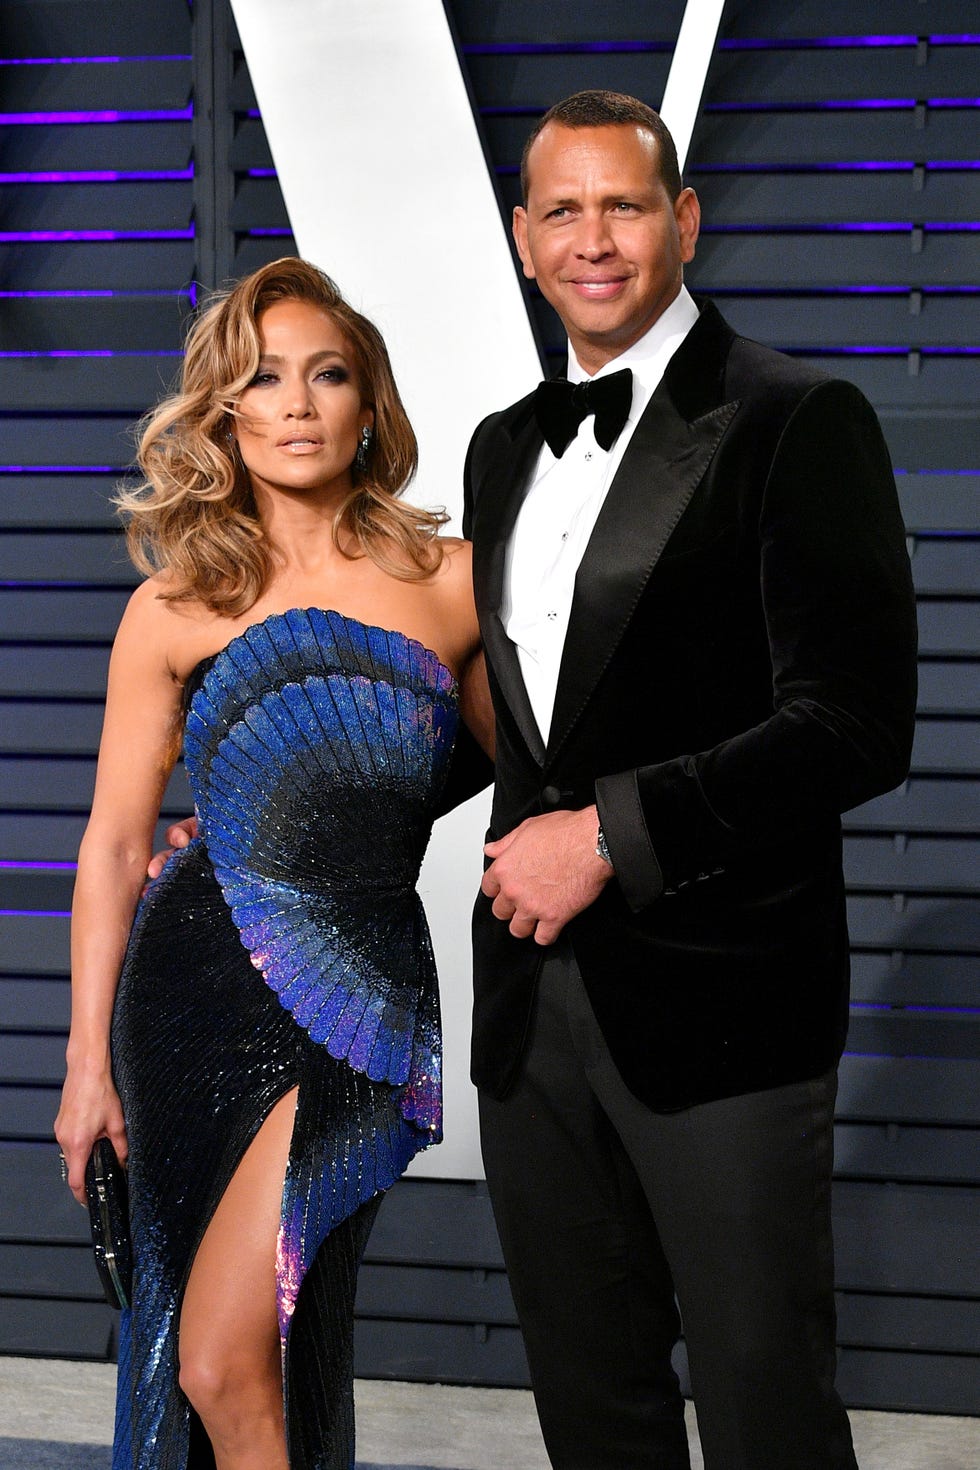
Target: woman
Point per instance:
(273, 1012)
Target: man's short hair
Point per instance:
(599, 109)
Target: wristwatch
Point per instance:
(602, 847)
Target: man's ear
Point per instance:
(519, 228)
(687, 212)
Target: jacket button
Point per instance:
(551, 796)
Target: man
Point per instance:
(699, 627)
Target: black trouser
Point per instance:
(606, 1209)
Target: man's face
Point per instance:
(601, 236)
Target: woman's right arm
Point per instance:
(140, 740)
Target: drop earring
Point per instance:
(361, 457)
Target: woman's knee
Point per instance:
(231, 1387)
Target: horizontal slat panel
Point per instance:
(887, 1151)
(56, 1329)
(914, 1033)
(905, 1223)
(945, 746)
(115, 323)
(733, 139)
(929, 439)
(259, 205)
(909, 1090)
(122, 206)
(949, 627)
(104, 440)
(948, 688)
(933, 1383)
(41, 837)
(921, 805)
(42, 615)
(251, 253)
(945, 565)
(250, 146)
(32, 1061)
(940, 502)
(874, 321)
(488, 21)
(64, 1272)
(939, 566)
(54, 727)
(432, 1294)
(725, 262)
(791, 77)
(440, 1352)
(33, 945)
(74, 671)
(111, 27)
(118, 384)
(121, 86)
(782, 139)
(913, 979)
(55, 501)
(33, 1005)
(774, 18)
(943, 864)
(123, 147)
(63, 785)
(28, 1113)
(112, 265)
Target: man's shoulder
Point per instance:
(509, 420)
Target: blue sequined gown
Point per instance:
(285, 948)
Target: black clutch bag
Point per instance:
(108, 1210)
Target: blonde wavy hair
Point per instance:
(195, 515)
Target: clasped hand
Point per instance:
(545, 872)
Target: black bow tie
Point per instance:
(560, 407)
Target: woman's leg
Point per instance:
(230, 1359)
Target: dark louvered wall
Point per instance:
(837, 164)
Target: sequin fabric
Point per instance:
(285, 948)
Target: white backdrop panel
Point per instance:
(387, 189)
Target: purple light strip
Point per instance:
(101, 176)
(35, 913)
(273, 234)
(24, 237)
(60, 469)
(563, 48)
(261, 173)
(768, 293)
(853, 104)
(183, 114)
(14, 865)
(880, 1005)
(845, 227)
(71, 295)
(83, 60)
(93, 352)
(882, 351)
(789, 43)
(904, 165)
(818, 43)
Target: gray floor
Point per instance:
(58, 1416)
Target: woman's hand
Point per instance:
(179, 835)
(90, 1109)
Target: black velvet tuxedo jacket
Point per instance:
(739, 669)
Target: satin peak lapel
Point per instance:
(660, 471)
(500, 495)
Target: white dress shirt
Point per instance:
(560, 510)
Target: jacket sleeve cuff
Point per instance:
(635, 864)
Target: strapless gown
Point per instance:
(286, 947)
